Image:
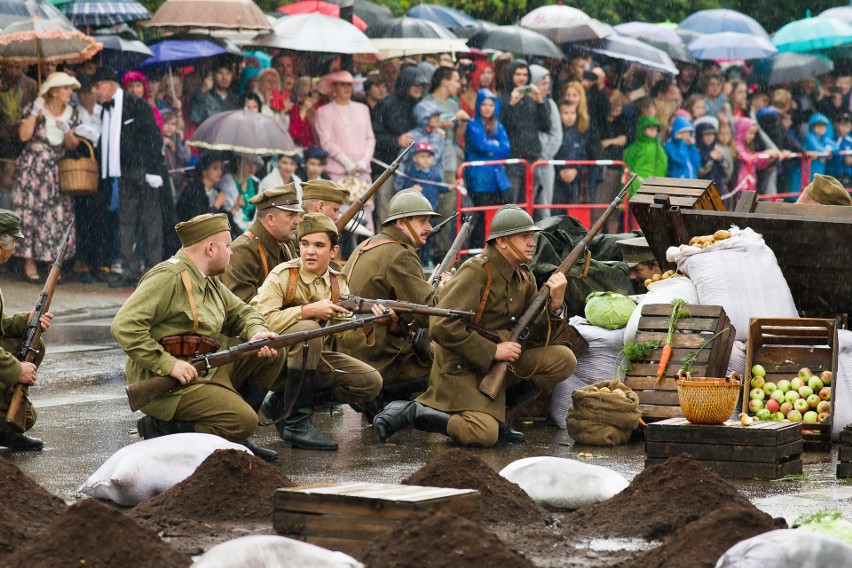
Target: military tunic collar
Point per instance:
(499, 263)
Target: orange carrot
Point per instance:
(664, 361)
(666, 355)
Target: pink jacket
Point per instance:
(346, 133)
(744, 155)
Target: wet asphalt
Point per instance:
(83, 418)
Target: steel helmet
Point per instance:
(510, 220)
(408, 203)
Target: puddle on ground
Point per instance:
(621, 544)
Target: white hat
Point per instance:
(58, 79)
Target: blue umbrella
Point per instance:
(716, 21)
(172, 51)
(102, 13)
(726, 46)
(447, 17)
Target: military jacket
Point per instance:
(160, 307)
(389, 272)
(12, 326)
(247, 270)
(462, 357)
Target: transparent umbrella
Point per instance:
(243, 131)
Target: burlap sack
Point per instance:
(603, 419)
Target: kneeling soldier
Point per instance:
(300, 295)
(498, 287)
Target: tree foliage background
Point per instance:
(771, 13)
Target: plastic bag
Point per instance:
(787, 548)
(268, 551)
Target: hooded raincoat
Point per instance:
(645, 156)
(482, 144)
(684, 160)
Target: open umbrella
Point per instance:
(677, 51)
(172, 52)
(317, 6)
(318, 33)
(29, 42)
(17, 10)
(516, 40)
(443, 15)
(392, 47)
(789, 68)
(470, 31)
(243, 131)
(687, 36)
(562, 24)
(840, 13)
(210, 14)
(123, 54)
(371, 13)
(726, 46)
(102, 13)
(717, 21)
(410, 27)
(635, 51)
(645, 31)
(811, 34)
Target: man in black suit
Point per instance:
(130, 152)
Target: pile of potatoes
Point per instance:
(664, 276)
(607, 390)
(709, 240)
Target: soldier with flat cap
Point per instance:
(12, 329)
(269, 241)
(640, 260)
(323, 196)
(387, 267)
(180, 306)
(825, 190)
(497, 286)
(301, 295)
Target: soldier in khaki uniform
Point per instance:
(639, 259)
(453, 404)
(323, 196)
(300, 295)
(387, 267)
(12, 329)
(182, 297)
(268, 242)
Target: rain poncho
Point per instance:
(645, 156)
(684, 159)
(814, 143)
(481, 144)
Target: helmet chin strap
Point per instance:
(521, 256)
(415, 239)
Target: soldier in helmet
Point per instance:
(387, 267)
(497, 286)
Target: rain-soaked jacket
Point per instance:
(524, 120)
(684, 159)
(645, 156)
(483, 145)
(394, 115)
(423, 112)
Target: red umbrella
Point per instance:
(325, 8)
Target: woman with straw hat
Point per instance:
(47, 130)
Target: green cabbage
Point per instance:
(828, 523)
(608, 310)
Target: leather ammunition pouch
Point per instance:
(188, 345)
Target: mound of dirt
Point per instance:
(25, 508)
(438, 540)
(502, 501)
(659, 501)
(700, 543)
(229, 485)
(92, 534)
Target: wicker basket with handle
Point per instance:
(79, 176)
(707, 400)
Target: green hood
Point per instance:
(643, 123)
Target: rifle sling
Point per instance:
(368, 245)
(187, 283)
(293, 281)
(261, 252)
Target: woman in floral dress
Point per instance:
(47, 129)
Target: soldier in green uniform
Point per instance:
(387, 267)
(300, 295)
(497, 286)
(182, 300)
(12, 329)
(268, 242)
(640, 260)
(323, 196)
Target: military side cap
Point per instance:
(511, 220)
(324, 190)
(201, 227)
(635, 251)
(282, 197)
(826, 190)
(10, 224)
(315, 223)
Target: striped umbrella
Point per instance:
(103, 13)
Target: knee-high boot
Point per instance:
(401, 414)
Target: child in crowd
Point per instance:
(175, 152)
(841, 165)
(714, 165)
(819, 143)
(315, 161)
(645, 156)
(696, 106)
(684, 159)
(751, 154)
(427, 115)
(423, 168)
(284, 173)
(566, 188)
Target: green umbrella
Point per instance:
(811, 34)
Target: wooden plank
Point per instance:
(664, 398)
(846, 435)
(844, 470)
(694, 309)
(657, 412)
(725, 452)
(349, 505)
(649, 370)
(732, 432)
(691, 340)
(649, 323)
(348, 527)
(746, 470)
(643, 383)
(845, 454)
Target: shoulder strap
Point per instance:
(187, 283)
(291, 285)
(484, 300)
(365, 246)
(262, 253)
(335, 289)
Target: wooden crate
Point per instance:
(844, 453)
(659, 400)
(783, 346)
(347, 516)
(765, 450)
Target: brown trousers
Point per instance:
(13, 345)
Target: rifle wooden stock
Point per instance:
(451, 255)
(361, 305)
(493, 381)
(353, 209)
(141, 393)
(16, 415)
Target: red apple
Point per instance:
(826, 377)
(823, 406)
(825, 393)
(773, 405)
(824, 417)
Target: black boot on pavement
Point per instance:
(508, 435)
(297, 430)
(150, 427)
(401, 414)
(16, 441)
(253, 395)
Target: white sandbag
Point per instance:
(841, 405)
(562, 483)
(562, 399)
(741, 274)
(601, 361)
(142, 470)
(737, 362)
(661, 292)
(269, 551)
(787, 548)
